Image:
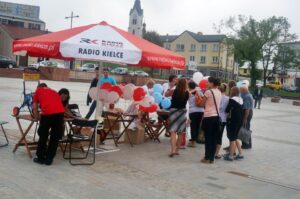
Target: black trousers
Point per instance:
(54, 122)
(91, 110)
(210, 128)
(257, 101)
(195, 124)
(220, 134)
(248, 125)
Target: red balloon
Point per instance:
(203, 84)
(139, 94)
(150, 109)
(106, 86)
(116, 89)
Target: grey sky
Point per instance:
(164, 16)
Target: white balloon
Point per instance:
(197, 77)
(103, 95)
(93, 93)
(206, 77)
(128, 91)
(148, 101)
(112, 97)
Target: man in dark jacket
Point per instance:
(94, 83)
(258, 95)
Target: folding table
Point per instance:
(115, 118)
(152, 129)
(29, 145)
(1, 124)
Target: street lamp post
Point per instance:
(72, 17)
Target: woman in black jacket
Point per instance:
(234, 123)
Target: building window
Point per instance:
(133, 31)
(16, 23)
(34, 26)
(193, 47)
(202, 59)
(179, 47)
(168, 46)
(245, 70)
(203, 48)
(192, 58)
(134, 21)
(215, 60)
(216, 47)
(3, 21)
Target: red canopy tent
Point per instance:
(101, 42)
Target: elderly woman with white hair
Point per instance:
(248, 112)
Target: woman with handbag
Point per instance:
(211, 119)
(195, 112)
(234, 123)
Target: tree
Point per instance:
(153, 37)
(273, 32)
(286, 57)
(257, 41)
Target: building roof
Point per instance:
(14, 17)
(21, 33)
(137, 7)
(197, 37)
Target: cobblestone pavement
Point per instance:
(270, 170)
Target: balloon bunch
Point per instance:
(158, 98)
(200, 80)
(107, 94)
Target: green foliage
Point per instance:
(259, 41)
(153, 37)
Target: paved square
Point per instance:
(270, 170)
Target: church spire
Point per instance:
(136, 18)
(137, 7)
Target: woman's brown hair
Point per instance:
(181, 87)
(234, 91)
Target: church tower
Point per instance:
(136, 16)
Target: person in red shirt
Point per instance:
(51, 117)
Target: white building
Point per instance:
(136, 17)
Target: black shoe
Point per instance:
(48, 162)
(38, 161)
(246, 147)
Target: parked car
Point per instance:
(289, 88)
(6, 62)
(131, 73)
(141, 74)
(275, 85)
(89, 67)
(120, 71)
(46, 64)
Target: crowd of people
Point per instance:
(213, 110)
(219, 107)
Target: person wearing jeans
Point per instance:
(248, 112)
(210, 124)
(195, 113)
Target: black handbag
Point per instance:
(219, 118)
